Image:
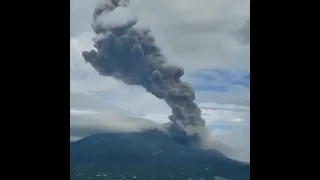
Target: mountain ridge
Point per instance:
(149, 154)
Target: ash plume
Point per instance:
(130, 54)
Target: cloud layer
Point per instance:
(229, 124)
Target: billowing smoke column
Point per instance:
(129, 53)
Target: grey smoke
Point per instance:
(130, 54)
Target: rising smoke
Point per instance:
(130, 54)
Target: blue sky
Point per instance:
(202, 37)
(220, 79)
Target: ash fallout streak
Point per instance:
(130, 54)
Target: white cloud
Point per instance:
(230, 124)
(84, 125)
(81, 16)
(75, 138)
(238, 97)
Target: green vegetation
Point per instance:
(148, 155)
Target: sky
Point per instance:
(208, 38)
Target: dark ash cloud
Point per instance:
(130, 54)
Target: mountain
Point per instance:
(151, 154)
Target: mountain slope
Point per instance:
(147, 155)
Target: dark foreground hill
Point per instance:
(148, 155)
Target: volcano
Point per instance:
(151, 154)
